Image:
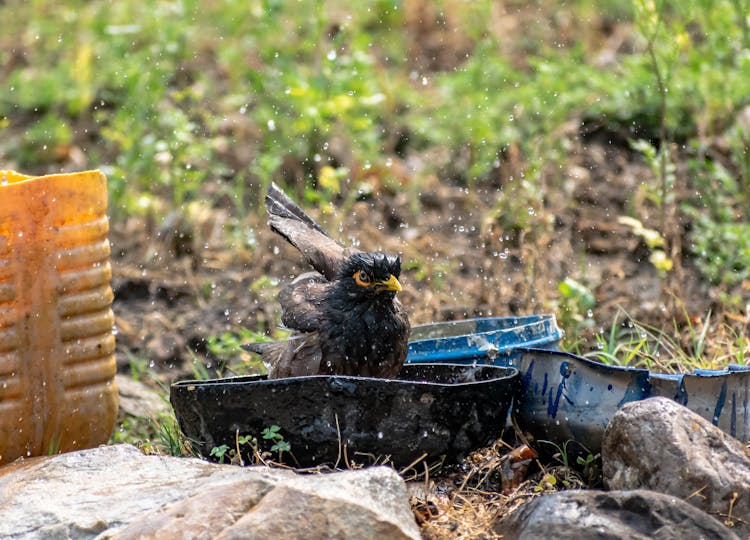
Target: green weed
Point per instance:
(575, 308)
(279, 444)
(219, 452)
(680, 348)
(251, 448)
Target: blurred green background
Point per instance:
(190, 101)
(168, 95)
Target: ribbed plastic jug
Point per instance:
(57, 364)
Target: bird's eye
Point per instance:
(361, 278)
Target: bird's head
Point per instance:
(371, 275)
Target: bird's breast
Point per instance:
(366, 342)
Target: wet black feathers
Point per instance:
(346, 315)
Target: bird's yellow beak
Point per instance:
(390, 284)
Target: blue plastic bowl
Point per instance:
(720, 396)
(566, 397)
(491, 340)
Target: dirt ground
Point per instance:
(179, 282)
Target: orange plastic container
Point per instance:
(57, 364)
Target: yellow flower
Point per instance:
(329, 179)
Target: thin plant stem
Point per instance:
(662, 130)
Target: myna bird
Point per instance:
(346, 317)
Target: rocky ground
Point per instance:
(668, 473)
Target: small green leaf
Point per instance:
(219, 452)
(271, 432)
(244, 439)
(281, 446)
(573, 290)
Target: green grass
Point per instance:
(161, 98)
(160, 434)
(161, 88)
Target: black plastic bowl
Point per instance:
(439, 409)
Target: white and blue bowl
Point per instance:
(491, 340)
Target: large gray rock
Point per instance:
(118, 492)
(660, 445)
(614, 515)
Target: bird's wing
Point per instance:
(279, 204)
(301, 302)
(297, 357)
(289, 220)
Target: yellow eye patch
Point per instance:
(362, 279)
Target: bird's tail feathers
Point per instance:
(279, 204)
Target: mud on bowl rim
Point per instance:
(401, 419)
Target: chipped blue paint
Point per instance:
(526, 380)
(719, 403)
(565, 372)
(553, 405)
